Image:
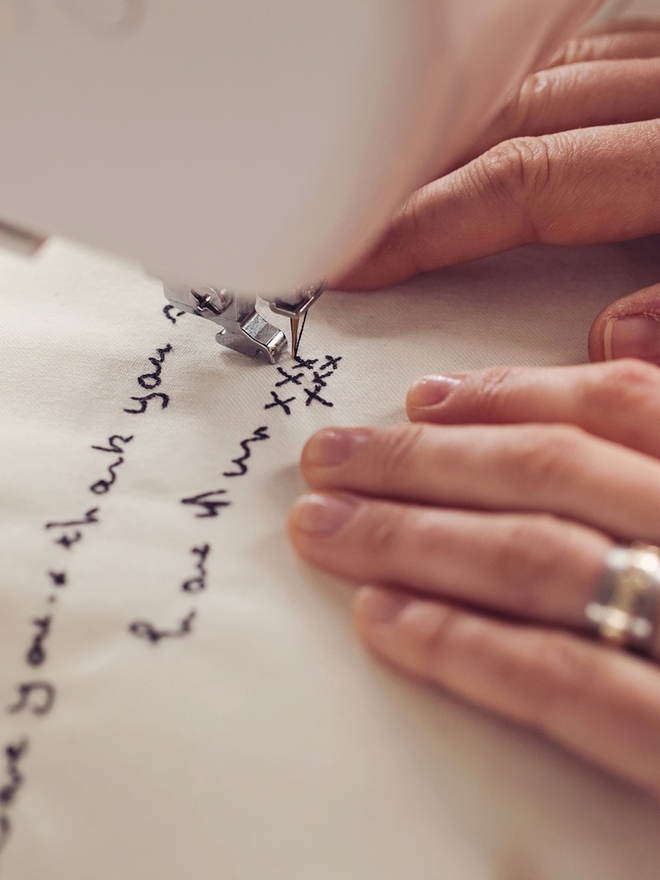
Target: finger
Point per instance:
(617, 401)
(610, 46)
(532, 566)
(629, 327)
(579, 187)
(576, 96)
(549, 468)
(600, 703)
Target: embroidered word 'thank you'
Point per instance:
(35, 698)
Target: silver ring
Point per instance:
(624, 611)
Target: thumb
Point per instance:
(629, 327)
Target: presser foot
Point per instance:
(242, 328)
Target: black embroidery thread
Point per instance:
(153, 380)
(314, 395)
(197, 584)
(332, 363)
(68, 542)
(308, 365)
(112, 444)
(204, 500)
(284, 404)
(13, 754)
(36, 655)
(58, 578)
(167, 310)
(143, 401)
(302, 329)
(319, 379)
(145, 630)
(259, 434)
(90, 517)
(26, 690)
(100, 487)
(288, 378)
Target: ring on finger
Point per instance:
(624, 611)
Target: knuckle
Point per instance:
(426, 537)
(434, 641)
(568, 53)
(515, 173)
(623, 392)
(383, 531)
(633, 373)
(562, 674)
(576, 50)
(516, 112)
(491, 386)
(548, 456)
(401, 447)
(624, 385)
(527, 560)
(408, 236)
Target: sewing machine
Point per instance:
(245, 147)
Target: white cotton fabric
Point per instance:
(265, 744)
(628, 9)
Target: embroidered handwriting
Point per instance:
(167, 312)
(67, 542)
(307, 365)
(314, 395)
(143, 401)
(319, 379)
(259, 434)
(145, 630)
(36, 655)
(58, 578)
(13, 754)
(113, 446)
(205, 500)
(45, 697)
(284, 404)
(90, 517)
(197, 584)
(319, 376)
(330, 363)
(288, 378)
(153, 380)
(100, 487)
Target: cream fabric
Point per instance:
(613, 9)
(261, 743)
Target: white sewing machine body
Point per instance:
(251, 144)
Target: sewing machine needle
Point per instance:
(294, 336)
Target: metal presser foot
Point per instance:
(242, 328)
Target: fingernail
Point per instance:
(431, 390)
(322, 514)
(333, 446)
(637, 336)
(381, 606)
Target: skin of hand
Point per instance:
(573, 158)
(480, 529)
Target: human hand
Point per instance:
(573, 159)
(481, 529)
